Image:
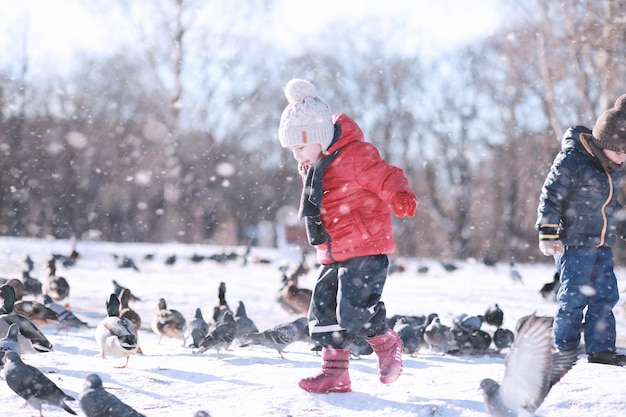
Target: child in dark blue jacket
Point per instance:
(579, 218)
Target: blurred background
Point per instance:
(156, 120)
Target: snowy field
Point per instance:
(169, 380)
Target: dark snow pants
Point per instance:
(587, 280)
(346, 301)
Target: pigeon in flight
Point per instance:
(531, 369)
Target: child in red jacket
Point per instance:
(346, 200)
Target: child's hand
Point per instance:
(404, 204)
(550, 247)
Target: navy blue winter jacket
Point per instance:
(578, 202)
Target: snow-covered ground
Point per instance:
(169, 380)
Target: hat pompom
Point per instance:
(298, 89)
(620, 104)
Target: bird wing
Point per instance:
(562, 362)
(528, 365)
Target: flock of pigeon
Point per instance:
(117, 335)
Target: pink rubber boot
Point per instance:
(334, 376)
(388, 347)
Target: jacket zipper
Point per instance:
(606, 203)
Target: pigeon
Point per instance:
(414, 321)
(168, 322)
(464, 329)
(409, 335)
(494, 316)
(282, 335)
(10, 343)
(196, 330)
(245, 325)
(468, 324)
(171, 260)
(66, 317)
(479, 341)
(197, 258)
(522, 320)
(95, 401)
(531, 369)
(359, 347)
(32, 385)
(438, 336)
(55, 286)
(201, 413)
(422, 269)
(125, 262)
(503, 338)
(117, 289)
(31, 339)
(116, 335)
(220, 335)
(550, 289)
(449, 266)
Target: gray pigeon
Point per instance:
(96, 402)
(282, 335)
(531, 369)
(196, 330)
(201, 413)
(438, 336)
(408, 333)
(245, 325)
(66, 317)
(359, 347)
(479, 340)
(503, 338)
(10, 343)
(32, 385)
(221, 334)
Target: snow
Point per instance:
(169, 380)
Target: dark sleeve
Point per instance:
(562, 178)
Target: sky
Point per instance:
(58, 29)
(253, 381)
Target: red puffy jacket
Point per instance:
(357, 188)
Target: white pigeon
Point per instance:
(531, 369)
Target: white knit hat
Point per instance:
(307, 119)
